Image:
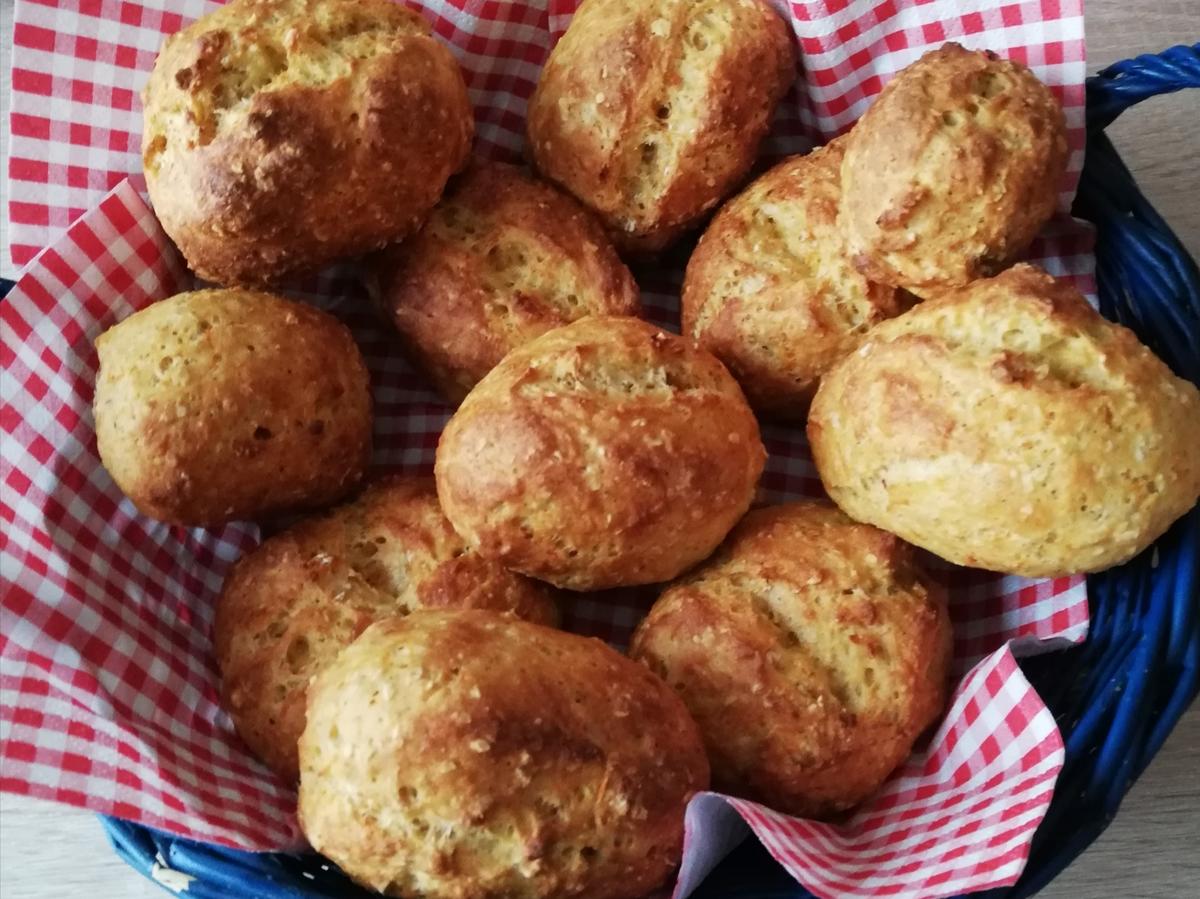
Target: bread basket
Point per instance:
(1115, 698)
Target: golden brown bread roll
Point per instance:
(650, 111)
(952, 170)
(604, 453)
(283, 134)
(219, 405)
(502, 259)
(771, 291)
(1008, 426)
(288, 607)
(464, 755)
(812, 653)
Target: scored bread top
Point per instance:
(604, 453)
(771, 291)
(1007, 425)
(810, 649)
(502, 259)
(462, 755)
(282, 134)
(651, 112)
(951, 171)
(288, 607)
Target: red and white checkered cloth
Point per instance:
(107, 688)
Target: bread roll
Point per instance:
(502, 259)
(812, 653)
(651, 111)
(463, 755)
(771, 291)
(219, 405)
(283, 134)
(605, 453)
(289, 606)
(1008, 426)
(952, 170)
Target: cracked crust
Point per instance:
(651, 112)
(604, 453)
(952, 171)
(462, 755)
(503, 259)
(1007, 425)
(289, 606)
(281, 135)
(811, 651)
(771, 291)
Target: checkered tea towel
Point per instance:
(107, 683)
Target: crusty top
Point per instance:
(222, 405)
(812, 652)
(462, 755)
(288, 607)
(604, 453)
(952, 170)
(1009, 426)
(282, 134)
(502, 259)
(770, 289)
(650, 111)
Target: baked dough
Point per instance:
(651, 111)
(604, 453)
(222, 405)
(464, 755)
(288, 607)
(502, 259)
(281, 135)
(1008, 426)
(952, 171)
(811, 651)
(771, 290)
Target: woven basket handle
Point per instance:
(1147, 279)
(1140, 668)
(1131, 81)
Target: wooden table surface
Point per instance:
(1152, 850)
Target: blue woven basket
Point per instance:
(1115, 699)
